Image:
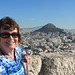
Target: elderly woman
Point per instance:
(10, 63)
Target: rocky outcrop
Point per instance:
(36, 65)
(58, 64)
(53, 64)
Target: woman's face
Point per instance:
(8, 43)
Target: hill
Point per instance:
(49, 28)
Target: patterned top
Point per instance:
(8, 66)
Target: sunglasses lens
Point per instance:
(7, 35)
(15, 35)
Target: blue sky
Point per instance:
(33, 13)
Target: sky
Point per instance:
(34, 13)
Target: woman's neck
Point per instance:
(8, 53)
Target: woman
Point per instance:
(9, 38)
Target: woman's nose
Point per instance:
(11, 37)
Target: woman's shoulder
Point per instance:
(2, 67)
(2, 58)
(19, 49)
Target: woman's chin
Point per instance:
(11, 47)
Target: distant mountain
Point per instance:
(32, 28)
(73, 30)
(49, 28)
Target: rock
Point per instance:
(58, 64)
(35, 67)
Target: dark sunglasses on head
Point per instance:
(7, 35)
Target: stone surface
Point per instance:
(58, 64)
(53, 64)
(36, 65)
